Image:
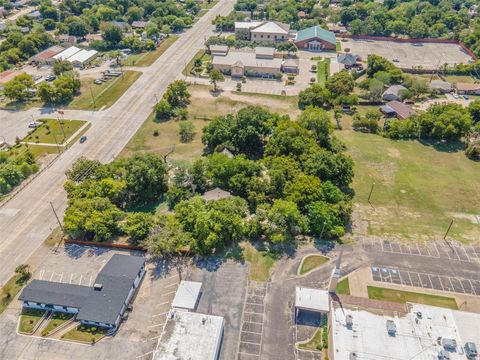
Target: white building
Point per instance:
(424, 333)
(76, 56)
(187, 295)
(192, 336)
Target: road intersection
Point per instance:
(27, 219)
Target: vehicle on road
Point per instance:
(83, 139)
(34, 124)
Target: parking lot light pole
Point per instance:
(448, 230)
(370, 195)
(93, 97)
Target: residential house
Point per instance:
(262, 31)
(66, 39)
(467, 88)
(261, 61)
(122, 25)
(139, 24)
(102, 304)
(315, 39)
(397, 109)
(394, 92)
(441, 86)
(348, 60)
(20, 4)
(93, 37)
(34, 15)
(3, 26)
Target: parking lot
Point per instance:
(425, 280)
(439, 250)
(250, 343)
(408, 55)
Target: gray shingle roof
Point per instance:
(116, 277)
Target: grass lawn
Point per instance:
(148, 58)
(261, 262)
(343, 287)
(203, 108)
(338, 46)
(56, 320)
(399, 296)
(53, 128)
(106, 94)
(29, 319)
(311, 262)
(86, 334)
(20, 105)
(315, 343)
(418, 189)
(323, 69)
(189, 68)
(9, 291)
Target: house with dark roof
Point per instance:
(348, 60)
(102, 304)
(394, 92)
(315, 39)
(397, 109)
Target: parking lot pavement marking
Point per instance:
(169, 293)
(42, 272)
(163, 303)
(170, 285)
(51, 276)
(160, 314)
(80, 281)
(156, 325)
(90, 281)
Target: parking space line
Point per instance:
(248, 354)
(463, 288)
(251, 332)
(171, 292)
(254, 322)
(473, 287)
(170, 285)
(51, 277)
(152, 326)
(71, 277)
(160, 314)
(163, 303)
(248, 342)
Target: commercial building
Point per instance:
(47, 56)
(423, 333)
(260, 61)
(314, 300)
(467, 88)
(102, 304)
(315, 39)
(192, 336)
(76, 56)
(260, 31)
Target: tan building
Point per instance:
(259, 31)
(467, 88)
(261, 62)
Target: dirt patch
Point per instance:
(473, 218)
(394, 153)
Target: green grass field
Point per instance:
(323, 69)
(52, 129)
(148, 58)
(56, 320)
(311, 262)
(418, 189)
(315, 343)
(29, 319)
(187, 71)
(343, 287)
(95, 97)
(261, 262)
(402, 297)
(9, 291)
(86, 334)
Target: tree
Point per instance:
(318, 122)
(285, 221)
(325, 220)
(19, 88)
(334, 167)
(169, 238)
(177, 94)
(215, 76)
(186, 131)
(137, 225)
(77, 28)
(112, 34)
(303, 189)
(375, 90)
(474, 110)
(23, 272)
(340, 83)
(60, 67)
(315, 95)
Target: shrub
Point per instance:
(155, 132)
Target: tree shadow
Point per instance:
(444, 146)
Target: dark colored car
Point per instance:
(83, 139)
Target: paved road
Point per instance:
(27, 219)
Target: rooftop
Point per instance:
(216, 194)
(49, 53)
(316, 32)
(246, 57)
(395, 90)
(417, 334)
(104, 305)
(312, 299)
(191, 336)
(247, 24)
(187, 295)
(8, 75)
(64, 55)
(273, 27)
(402, 110)
(467, 86)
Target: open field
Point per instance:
(311, 262)
(148, 58)
(28, 320)
(261, 262)
(343, 287)
(418, 189)
(9, 291)
(408, 55)
(54, 130)
(399, 296)
(203, 108)
(95, 97)
(323, 67)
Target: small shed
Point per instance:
(187, 295)
(216, 194)
(309, 299)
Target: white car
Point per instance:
(34, 124)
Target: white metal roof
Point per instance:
(270, 27)
(247, 24)
(191, 336)
(312, 299)
(65, 54)
(82, 56)
(187, 295)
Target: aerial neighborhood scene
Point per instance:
(240, 179)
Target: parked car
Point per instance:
(97, 82)
(37, 77)
(455, 96)
(50, 77)
(466, 97)
(34, 124)
(83, 139)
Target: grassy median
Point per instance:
(311, 262)
(398, 296)
(54, 130)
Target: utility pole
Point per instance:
(56, 216)
(370, 195)
(56, 142)
(61, 127)
(93, 97)
(448, 230)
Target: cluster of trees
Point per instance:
(417, 19)
(238, 44)
(449, 122)
(174, 102)
(337, 91)
(113, 38)
(15, 169)
(99, 197)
